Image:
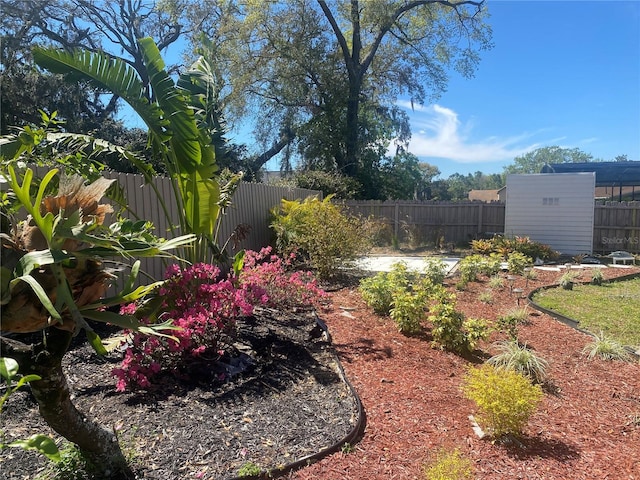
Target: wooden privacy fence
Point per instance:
(616, 224)
(433, 222)
(616, 227)
(250, 209)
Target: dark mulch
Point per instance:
(286, 400)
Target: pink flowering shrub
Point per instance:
(284, 288)
(202, 306)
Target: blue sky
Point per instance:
(560, 73)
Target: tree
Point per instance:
(532, 162)
(404, 178)
(399, 28)
(331, 71)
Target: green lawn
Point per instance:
(613, 308)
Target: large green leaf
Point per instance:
(185, 139)
(41, 443)
(108, 73)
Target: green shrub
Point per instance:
(407, 311)
(606, 348)
(473, 265)
(475, 329)
(434, 270)
(449, 465)
(401, 294)
(520, 359)
(447, 323)
(482, 246)
(469, 268)
(450, 329)
(378, 291)
(504, 246)
(510, 321)
(505, 399)
(320, 231)
(517, 262)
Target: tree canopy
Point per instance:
(533, 161)
(327, 75)
(318, 79)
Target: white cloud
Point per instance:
(438, 133)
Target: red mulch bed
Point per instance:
(587, 427)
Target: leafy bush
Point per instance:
(434, 270)
(505, 399)
(400, 293)
(504, 246)
(475, 329)
(378, 291)
(482, 246)
(320, 231)
(473, 265)
(408, 310)
(606, 348)
(451, 330)
(449, 465)
(510, 321)
(273, 275)
(517, 262)
(522, 360)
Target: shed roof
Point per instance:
(608, 174)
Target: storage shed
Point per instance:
(556, 209)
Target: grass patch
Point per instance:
(612, 308)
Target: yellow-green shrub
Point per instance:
(449, 465)
(505, 399)
(321, 231)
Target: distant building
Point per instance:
(487, 195)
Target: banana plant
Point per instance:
(178, 126)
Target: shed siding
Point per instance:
(555, 209)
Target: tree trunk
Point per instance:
(97, 444)
(351, 166)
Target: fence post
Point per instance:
(396, 223)
(480, 218)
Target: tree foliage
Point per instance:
(330, 72)
(532, 162)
